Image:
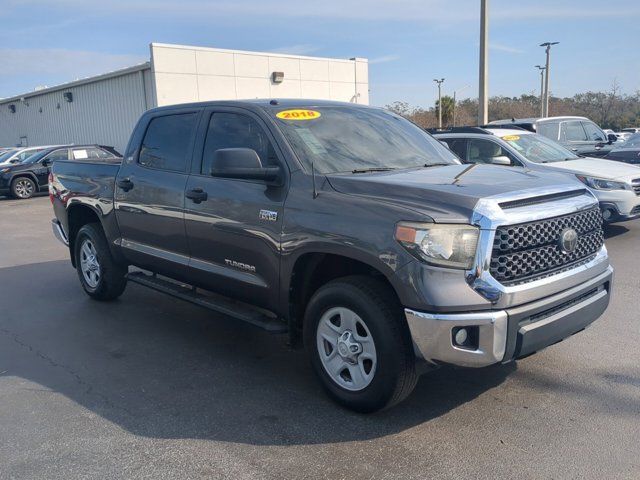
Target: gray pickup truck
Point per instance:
(347, 227)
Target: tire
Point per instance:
(382, 376)
(100, 275)
(23, 188)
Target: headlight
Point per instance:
(602, 184)
(444, 245)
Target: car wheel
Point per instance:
(23, 188)
(359, 343)
(100, 275)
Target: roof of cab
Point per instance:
(265, 103)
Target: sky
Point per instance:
(408, 42)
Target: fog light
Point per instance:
(607, 214)
(466, 337)
(461, 336)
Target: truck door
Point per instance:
(149, 193)
(573, 136)
(233, 226)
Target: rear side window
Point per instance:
(232, 130)
(167, 140)
(573, 132)
(458, 146)
(549, 130)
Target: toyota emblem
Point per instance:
(568, 240)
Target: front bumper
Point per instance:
(611, 212)
(504, 335)
(623, 204)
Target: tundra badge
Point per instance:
(268, 215)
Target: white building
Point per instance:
(103, 109)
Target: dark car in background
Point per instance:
(578, 134)
(628, 152)
(30, 176)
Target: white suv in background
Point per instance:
(616, 184)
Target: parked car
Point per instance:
(343, 224)
(22, 153)
(628, 152)
(631, 130)
(578, 134)
(26, 178)
(617, 186)
(622, 137)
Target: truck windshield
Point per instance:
(346, 139)
(539, 149)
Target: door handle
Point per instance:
(125, 184)
(197, 195)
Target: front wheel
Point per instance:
(359, 344)
(23, 188)
(100, 275)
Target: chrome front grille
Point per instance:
(529, 251)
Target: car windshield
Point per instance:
(5, 156)
(346, 139)
(539, 149)
(632, 142)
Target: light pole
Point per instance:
(483, 84)
(454, 102)
(439, 82)
(542, 70)
(546, 76)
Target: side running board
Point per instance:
(214, 302)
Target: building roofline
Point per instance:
(76, 83)
(250, 52)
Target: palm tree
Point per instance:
(447, 109)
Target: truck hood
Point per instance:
(447, 193)
(598, 167)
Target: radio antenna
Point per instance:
(313, 179)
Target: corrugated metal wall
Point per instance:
(103, 112)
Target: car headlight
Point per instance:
(601, 183)
(451, 246)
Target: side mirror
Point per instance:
(501, 160)
(445, 144)
(46, 162)
(243, 164)
(612, 137)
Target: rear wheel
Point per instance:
(23, 188)
(359, 344)
(100, 275)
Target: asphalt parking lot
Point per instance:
(150, 387)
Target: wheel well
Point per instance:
(312, 270)
(78, 217)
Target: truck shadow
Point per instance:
(161, 368)
(614, 230)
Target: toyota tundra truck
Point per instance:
(345, 226)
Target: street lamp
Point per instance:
(542, 70)
(454, 101)
(483, 80)
(439, 82)
(548, 45)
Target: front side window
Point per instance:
(233, 130)
(57, 155)
(346, 139)
(167, 140)
(573, 132)
(593, 132)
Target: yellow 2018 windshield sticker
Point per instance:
(298, 114)
(511, 138)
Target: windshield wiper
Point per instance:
(441, 164)
(372, 169)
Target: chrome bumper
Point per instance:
(58, 232)
(514, 332)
